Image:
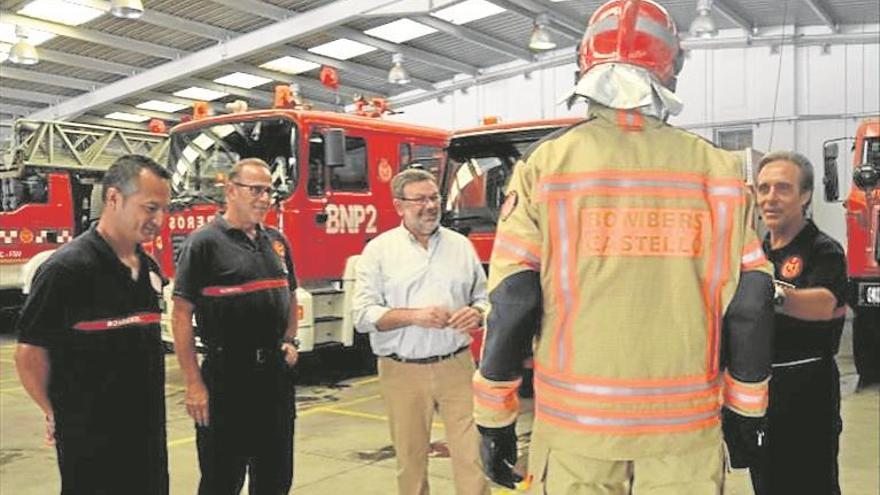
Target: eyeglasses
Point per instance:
(424, 200)
(256, 191)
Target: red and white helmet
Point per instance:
(636, 32)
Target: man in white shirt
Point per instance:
(420, 289)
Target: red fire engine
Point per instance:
(863, 241)
(46, 198)
(332, 172)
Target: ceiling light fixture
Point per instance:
(541, 40)
(397, 74)
(127, 9)
(703, 26)
(23, 51)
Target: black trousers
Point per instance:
(802, 440)
(250, 430)
(132, 462)
(866, 344)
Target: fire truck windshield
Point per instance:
(201, 159)
(477, 174)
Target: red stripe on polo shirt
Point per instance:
(234, 290)
(136, 319)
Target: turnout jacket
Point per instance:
(620, 247)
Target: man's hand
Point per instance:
(744, 437)
(196, 400)
(431, 317)
(291, 355)
(498, 451)
(466, 318)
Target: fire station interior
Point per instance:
(337, 96)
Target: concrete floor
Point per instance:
(342, 440)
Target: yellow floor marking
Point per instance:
(359, 414)
(311, 410)
(365, 381)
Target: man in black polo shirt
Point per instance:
(90, 353)
(799, 454)
(237, 277)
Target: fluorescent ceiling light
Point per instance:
(61, 11)
(162, 106)
(468, 11)
(342, 49)
(7, 35)
(196, 93)
(128, 117)
(290, 65)
(242, 80)
(400, 31)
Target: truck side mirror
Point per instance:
(832, 188)
(334, 148)
(866, 177)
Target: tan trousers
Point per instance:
(699, 472)
(412, 393)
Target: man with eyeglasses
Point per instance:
(237, 276)
(420, 289)
(90, 352)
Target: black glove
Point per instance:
(744, 437)
(498, 451)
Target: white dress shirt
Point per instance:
(396, 272)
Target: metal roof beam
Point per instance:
(218, 34)
(304, 82)
(95, 120)
(276, 13)
(93, 36)
(477, 37)
(734, 16)
(820, 8)
(89, 63)
(153, 114)
(152, 16)
(25, 95)
(258, 8)
(16, 109)
(315, 20)
(563, 23)
(411, 53)
(46, 78)
(349, 66)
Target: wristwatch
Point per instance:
(779, 292)
(294, 342)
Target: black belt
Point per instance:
(427, 360)
(257, 355)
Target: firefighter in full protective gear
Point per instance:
(626, 257)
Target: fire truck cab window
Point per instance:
(427, 157)
(17, 192)
(350, 177)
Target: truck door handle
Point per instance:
(321, 218)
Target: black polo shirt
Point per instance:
(240, 286)
(812, 259)
(102, 332)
